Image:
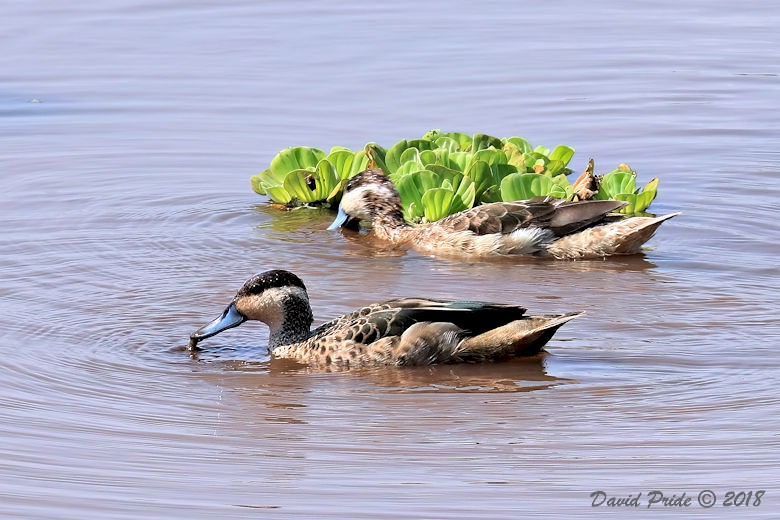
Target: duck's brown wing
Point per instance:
(560, 216)
(392, 318)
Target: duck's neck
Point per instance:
(390, 225)
(292, 324)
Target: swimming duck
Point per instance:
(543, 226)
(407, 331)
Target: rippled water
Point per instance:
(128, 131)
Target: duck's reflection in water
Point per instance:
(515, 375)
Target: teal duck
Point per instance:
(543, 226)
(407, 331)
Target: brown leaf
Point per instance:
(586, 186)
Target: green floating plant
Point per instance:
(482, 159)
(425, 193)
(441, 173)
(304, 175)
(620, 184)
(522, 186)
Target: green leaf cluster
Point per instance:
(304, 175)
(446, 172)
(620, 184)
(441, 173)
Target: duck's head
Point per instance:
(369, 195)
(278, 298)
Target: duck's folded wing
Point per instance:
(499, 217)
(560, 216)
(393, 317)
(473, 316)
(398, 315)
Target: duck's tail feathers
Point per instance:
(638, 231)
(622, 237)
(524, 337)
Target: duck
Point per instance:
(400, 332)
(542, 226)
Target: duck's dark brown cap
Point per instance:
(269, 280)
(366, 177)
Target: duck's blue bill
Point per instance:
(341, 219)
(229, 318)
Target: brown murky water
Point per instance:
(128, 131)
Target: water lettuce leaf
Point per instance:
(447, 143)
(459, 160)
(298, 158)
(464, 141)
(412, 187)
(522, 186)
(312, 186)
(523, 145)
(407, 168)
(620, 184)
(482, 177)
(616, 183)
(279, 195)
(348, 163)
(562, 153)
(394, 157)
(563, 183)
(257, 183)
(437, 203)
(484, 141)
(464, 191)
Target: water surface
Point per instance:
(128, 131)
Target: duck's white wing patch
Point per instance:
(524, 241)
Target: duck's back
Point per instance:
(559, 216)
(372, 334)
